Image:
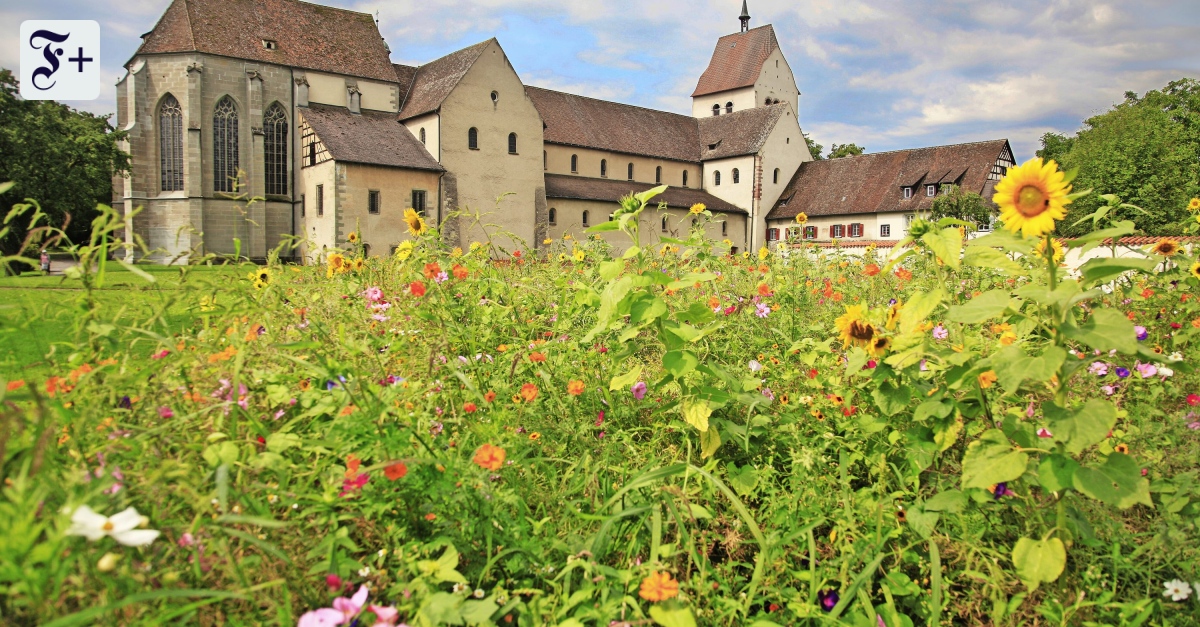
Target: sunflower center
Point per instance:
(1032, 200)
(861, 331)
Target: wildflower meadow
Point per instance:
(961, 432)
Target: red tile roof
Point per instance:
(433, 82)
(606, 190)
(308, 36)
(369, 137)
(872, 183)
(740, 133)
(737, 60)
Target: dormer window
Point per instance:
(907, 191)
(931, 190)
(270, 44)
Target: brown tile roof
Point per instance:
(584, 188)
(404, 76)
(309, 36)
(369, 137)
(737, 60)
(871, 183)
(590, 123)
(434, 81)
(740, 133)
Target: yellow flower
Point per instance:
(457, 252)
(727, 242)
(1166, 247)
(987, 379)
(801, 218)
(697, 208)
(261, 278)
(352, 237)
(1007, 338)
(336, 264)
(1194, 204)
(404, 250)
(578, 254)
(893, 315)
(763, 253)
(1032, 197)
(1059, 254)
(562, 256)
(853, 327)
(416, 224)
(879, 346)
(547, 241)
(1196, 269)
(475, 246)
(359, 264)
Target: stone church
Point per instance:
(227, 100)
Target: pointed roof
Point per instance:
(739, 133)
(737, 60)
(307, 36)
(871, 183)
(370, 137)
(433, 82)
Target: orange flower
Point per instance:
(224, 355)
(395, 471)
(304, 384)
(16, 385)
(871, 269)
(535, 436)
(575, 387)
(348, 409)
(430, 516)
(417, 289)
(490, 396)
(432, 270)
(459, 272)
(764, 289)
(658, 587)
(489, 457)
(54, 384)
(987, 379)
(352, 464)
(252, 334)
(529, 392)
(904, 274)
(714, 302)
(837, 297)
(469, 408)
(537, 357)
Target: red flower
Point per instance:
(490, 396)
(459, 272)
(537, 357)
(395, 471)
(417, 288)
(469, 408)
(1147, 293)
(1193, 399)
(432, 270)
(871, 269)
(848, 411)
(1176, 325)
(812, 373)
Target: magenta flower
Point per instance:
(350, 607)
(1141, 332)
(1098, 368)
(373, 294)
(761, 310)
(324, 617)
(639, 390)
(1044, 433)
(159, 355)
(1146, 370)
(165, 412)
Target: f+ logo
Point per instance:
(46, 74)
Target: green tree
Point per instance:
(837, 151)
(813, 147)
(63, 158)
(962, 204)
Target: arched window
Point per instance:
(776, 177)
(275, 149)
(545, 160)
(729, 107)
(658, 174)
(553, 216)
(724, 228)
(717, 177)
(422, 135)
(604, 167)
(716, 109)
(512, 143)
(170, 144)
(585, 217)
(664, 224)
(574, 163)
(473, 138)
(685, 178)
(630, 171)
(736, 176)
(225, 146)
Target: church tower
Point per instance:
(747, 70)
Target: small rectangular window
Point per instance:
(772, 235)
(907, 193)
(270, 44)
(418, 201)
(931, 190)
(320, 200)
(856, 230)
(885, 230)
(810, 232)
(837, 230)
(301, 205)
(373, 201)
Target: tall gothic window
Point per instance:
(685, 178)
(512, 143)
(275, 129)
(473, 138)
(604, 167)
(737, 177)
(170, 144)
(658, 174)
(630, 172)
(225, 146)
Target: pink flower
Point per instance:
(324, 617)
(1146, 370)
(187, 539)
(350, 486)
(165, 412)
(373, 294)
(334, 582)
(940, 332)
(639, 390)
(352, 606)
(761, 310)
(384, 616)
(1044, 433)
(1098, 368)
(159, 355)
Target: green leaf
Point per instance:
(891, 399)
(442, 608)
(918, 307)
(945, 432)
(1106, 268)
(710, 441)
(609, 270)
(604, 227)
(1039, 561)
(478, 612)
(936, 408)
(1003, 239)
(946, 244)
(1095, 238)
(986, 305)
(645, 308)
(742, 479)
(949, 501)
(626, 380)
(990, 460)
(1105, 330)
(1118, 482)
(696, 413)
(921, 521)
(1013, 366)
(279, 441)
(1082, 427)
(680, 362)
(1057, 472)
(221, 453)
(984, 257)
(631, 252)
(672, 616)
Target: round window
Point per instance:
(495, 97)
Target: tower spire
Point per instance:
(745, 17)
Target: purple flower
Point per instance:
(768, 393)
(828, 599)
(441, 276)
(1141, 332)
(761, 310)
(1098, 368)
(639, 390)
(754, 365)
(373, 294)
(940, 332)
(1108, 390)
(1001, 490)
(1122, 373)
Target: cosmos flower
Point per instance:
(1177, 590)
(639, 390)
(122, 526)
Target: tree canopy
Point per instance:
(63, 158)
(837, 151)
(1146, 150)
(961, 204)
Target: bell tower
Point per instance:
(745, 17)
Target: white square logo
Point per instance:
(60, 60)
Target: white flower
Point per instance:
(121, 527)
(1176, 356)
(1177, 590)
(1164, 371)
(479, 593)
(364, 571)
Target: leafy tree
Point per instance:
(962, 204)
(813, 147)
(844, 150)
(63, 158)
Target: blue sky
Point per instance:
(885, 75)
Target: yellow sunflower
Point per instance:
(853, 328)
(359, 264)
(578, 254)
(1194, 204)
(879, 346)
(404, 250)
(801, 218)
(336, 264)
(697, 208)
(893, 315)
(1196, 269)
(352, 237)
(1165, 247)
(1032, 197)
(261, 278)
(416, 224)
(1059, 254)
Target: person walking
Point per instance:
(45, 262)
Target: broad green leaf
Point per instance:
(221, 453)
(479, 612)
(990, 460)
(921, 520)
(1107, 268)
(946, 244)
(280, 441)
(918, 307)
(631, 252)
(1057, 472)
(1004, 240)
(679, 363)
(668, 616)
(984, 257)
(442, 608)
(609, 270)
(1039, 561)
(945, 432)
(742, 479)
(645, 308)
(1118, 482)
(1095, 238)
(1012, 366)
(891, 399)
(1082, 427)
(696, 413)
(690, 279)
(1105, 330)
(604, 227)
(710, 441)
(685, 332)
(644, 197)
(447, 567)
(625, 381)
(935, 408)
(986, 305)
(949, 501)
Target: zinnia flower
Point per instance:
(121, 527)
(489, 457)
(529, 392)
(658, 586)
(395, 471)
(871, 269)
(1032, 196)
(575, 387)
(417, 288)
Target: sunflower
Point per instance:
(336, 264)
(1032, 197)
(801, 218)
(879, 346)
(359, 264)
(404, 250)
(1195, 270)
(854, 329)
(697, 208)
(1194, 204)
(416, 224)
(352, 237)
(1165, 247)
(893, 315)
(1059, 254)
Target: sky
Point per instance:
(885, 75)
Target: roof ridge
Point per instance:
(888, 152)
(326, 6)
(748, 31)
(187, 15)
(612, 102)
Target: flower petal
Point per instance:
(136, 537)
(86, 522)
(127, 519)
